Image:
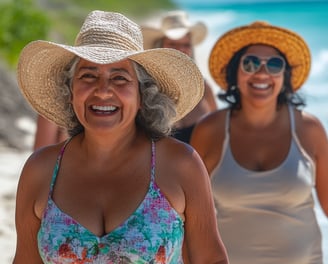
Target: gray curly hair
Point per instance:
(155, 116)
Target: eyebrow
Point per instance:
(119, 70)
(93, 68)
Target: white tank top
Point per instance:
(268, 217)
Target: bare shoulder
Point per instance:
(35, 178)
(178, 152)
(308, 124)
(210, 130)
(208, 137)
(210, 96)
(41, 160)
(311, 132)
(178, 159)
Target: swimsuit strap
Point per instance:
(61, 153)
(153, 160)
(58, 161)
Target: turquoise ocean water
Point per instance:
(308, 18)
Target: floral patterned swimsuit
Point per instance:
(152, 234)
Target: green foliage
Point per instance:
(129, 7)
(20, 23)
(23, 21)
(67, 15)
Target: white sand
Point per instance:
(11, 163)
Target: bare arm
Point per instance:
(314, 140)
(210, 97)
(321, 158)
(47, 133)
(203, 241)
(32, 193)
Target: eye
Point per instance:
(250, 63)
(276, 65)
(119, 79)
(87, 77)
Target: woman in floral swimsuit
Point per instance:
(119, 190)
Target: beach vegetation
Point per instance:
(23, 21)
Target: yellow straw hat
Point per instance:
(104, 38)
(289, 43)
(174, 25)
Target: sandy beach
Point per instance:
(11, 162)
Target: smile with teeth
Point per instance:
(104, 108)
(261, 86)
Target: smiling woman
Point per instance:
(119, 190)
(263, 152)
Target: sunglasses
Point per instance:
(274, 65)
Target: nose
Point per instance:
(104, 89)
(262, 68)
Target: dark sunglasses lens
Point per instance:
(275, 65)
(251, 63)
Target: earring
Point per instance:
(233, 88)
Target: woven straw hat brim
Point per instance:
(181, 80)
(289, 43)
(198, 33)
(41, 65)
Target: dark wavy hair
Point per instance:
(232, 95)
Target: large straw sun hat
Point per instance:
(104, 38)
(174, 25)
(288, 42)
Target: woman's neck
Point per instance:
(260, 117)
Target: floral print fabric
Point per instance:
(152, 234)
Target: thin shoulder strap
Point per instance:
(227, 134)
(292, 119)
(227, 122)
(153, 160)
(57, 166)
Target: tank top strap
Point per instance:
(153, 160)
(292, 119)
(57, 166)
(226, 142)
(227, 122)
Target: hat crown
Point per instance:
(174, 20)
(259, 24)
(110, 30)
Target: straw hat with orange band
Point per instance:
(288, 42)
